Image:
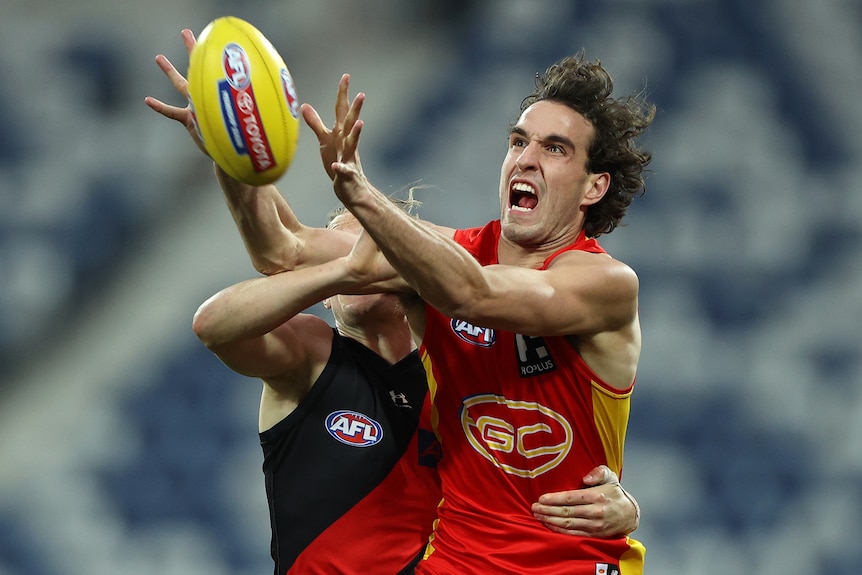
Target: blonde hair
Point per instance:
(408, 205)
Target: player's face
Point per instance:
(544, 185)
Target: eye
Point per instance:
(556, 149)
(517, 139)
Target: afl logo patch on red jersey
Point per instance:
(481, 336)
(354, 429)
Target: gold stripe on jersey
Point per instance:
(432, 391)
(632, 561)
(611, 415)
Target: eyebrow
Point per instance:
(553, 138)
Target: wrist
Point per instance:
(637, 518)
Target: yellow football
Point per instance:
(243, 101)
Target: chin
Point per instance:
(516, 232)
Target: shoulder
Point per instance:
(598, 278)
(596, 262)
(445, 230)
(290, 366)
(297, 348)
(311, 333)
(303, 330)
(311, 321)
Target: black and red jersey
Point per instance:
(351, 474)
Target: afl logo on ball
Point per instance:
(354, 429)
(290, 92)
(240, 112)
(237, 68)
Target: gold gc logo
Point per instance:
(522, 438)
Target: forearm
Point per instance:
(442, 272)
(602, 509)
(271, 233)
(255, 307)
(273, 236)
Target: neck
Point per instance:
(530, 256)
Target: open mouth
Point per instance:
(522, 197)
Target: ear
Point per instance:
(598, 187)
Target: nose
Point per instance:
(528, 158)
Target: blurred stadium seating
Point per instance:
(126, 447)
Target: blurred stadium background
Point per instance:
(125, 447)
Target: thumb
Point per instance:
(600, 475)
(312, 119)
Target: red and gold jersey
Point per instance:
(517, 416)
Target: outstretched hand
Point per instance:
(349, 180)
(603, 509)
(332, 140)
(184, 116)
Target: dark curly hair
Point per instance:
(586, 88)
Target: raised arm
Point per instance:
(579, 293)
(251, 325)
(255, 327)
(274, 237)
(589, 297)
